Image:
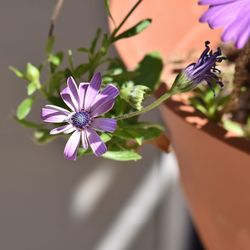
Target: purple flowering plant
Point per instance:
(100, 113)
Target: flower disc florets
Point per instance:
(80, 119)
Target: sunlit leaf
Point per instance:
(32, 87)
(17, 72)
(124, 155)
(24, 108)
(136, 29)
(32, 73)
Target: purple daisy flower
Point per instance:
(86, 104)
(203, 70)
(233, 16)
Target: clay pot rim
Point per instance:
(199, 121)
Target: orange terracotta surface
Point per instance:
(215, 168)
(215, 176)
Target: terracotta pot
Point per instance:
(214, 167)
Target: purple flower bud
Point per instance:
(203, 70)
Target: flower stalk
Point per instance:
(151, 106)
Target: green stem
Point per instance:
(125, 18)
(147, 108)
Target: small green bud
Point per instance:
(134, 94)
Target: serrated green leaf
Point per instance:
(149, 70)
(24, 108)
(125, 155)
(17, 72)
(50, 44)
(136, 29)
(32, 73)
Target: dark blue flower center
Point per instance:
(80, 119)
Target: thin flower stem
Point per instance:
(125, 18)
(54, 17)
(147, 108)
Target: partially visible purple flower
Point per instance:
(232, 15)
(203, 70)
(86, 104)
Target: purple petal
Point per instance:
(84, 140)
(82, 91)
(92, 91)
(61, 129)
(103, 108)
(95, 142)
(215, 2)
(70, 150)
(108, 93)
(70, 130)
(65, 94)
(243, 38)
(104, 124)
(54, 114)
(73, 91)
(56, 108)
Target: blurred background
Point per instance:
(49, 203)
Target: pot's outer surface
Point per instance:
(215, 175)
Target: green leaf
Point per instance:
(57, 101)
(56, 80)
(50, 44)
(29, 124)
(149, 70)
(134, 94)
(139, 132)
(233, 127)
(81, 70)
(124, 155)
(42, 136)
(105, 137)
(24, 108)
(85, 50)
(198, 104)
(32, 87)
(136, 29)
(108, 11)
(17, 72)
(32, 72)
(94, 41)
(56, 59)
